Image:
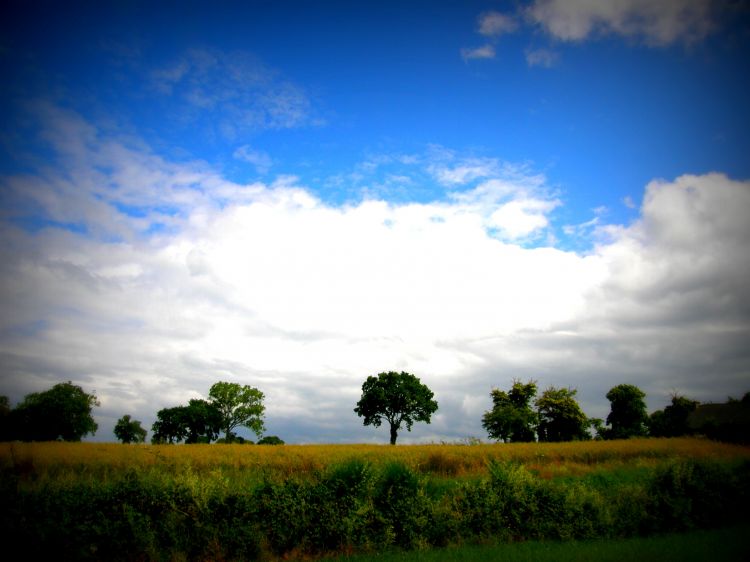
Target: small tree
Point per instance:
(129, 431)
(398, 398)
(627, 416)
(271, 440)
(238, 406)
(62, 412)
(511, 418)
(560, 416)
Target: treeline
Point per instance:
(65, 413)
(517, 415)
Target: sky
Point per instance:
(299, 195)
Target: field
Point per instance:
(208, 502)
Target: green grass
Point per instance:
(721, 545)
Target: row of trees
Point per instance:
(556, 416)
(517, 415)
(399, 398)
(64, 412)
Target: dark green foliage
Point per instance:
(63, 412)
(692, 494)
(198, 422)
(398, 398)
(132, 518)
(512, 419)
(672, 421)
(129, 431)
(627, 416)
(723, 422)
(400, 503)
(169, 426)
(140, 515)
(560, 416)
(4, 418)
(270, 440)
(202, 421)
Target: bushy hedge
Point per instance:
(353, 506)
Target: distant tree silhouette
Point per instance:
(128, 430)
(627, 416)
(672, 421)
(62, 412)
(169, 426)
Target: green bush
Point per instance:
(353, 506)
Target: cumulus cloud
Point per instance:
(268, 285)
(656, 23)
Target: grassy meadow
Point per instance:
(222, 502)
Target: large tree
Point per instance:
(239, 406)
(398, 398)
(511, 418)
(62, 412)
(627, 416)
(560, 416)
(129, 430)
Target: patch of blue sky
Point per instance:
(36, 222)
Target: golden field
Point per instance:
(545, 459)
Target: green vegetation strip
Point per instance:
(353, 506)
(727, 545)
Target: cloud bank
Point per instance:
(147, 280)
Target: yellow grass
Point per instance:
(548, 459)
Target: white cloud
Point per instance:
(451, 173)
(493, 24)
(268, 285)
(656, 23)
(261, 160)
(483, 52)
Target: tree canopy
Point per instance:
(398, 398)
(238, 406)
(672, 421)
(511, 418)
(129, 430)
(560, 416)
(627, 417)
(62, 412)
(169, 426)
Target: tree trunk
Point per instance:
(394, 433)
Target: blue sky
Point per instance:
(537, 173)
